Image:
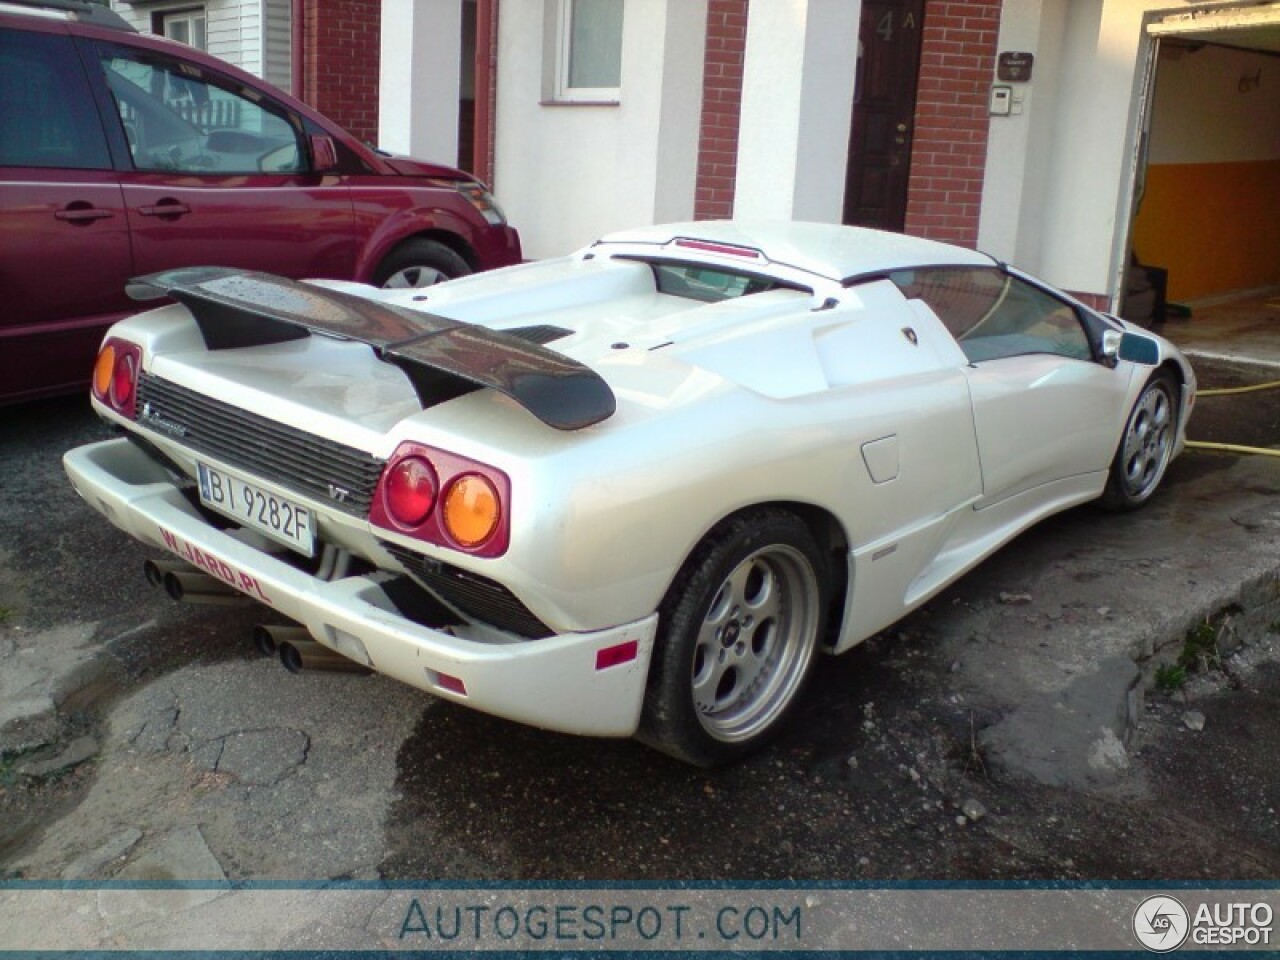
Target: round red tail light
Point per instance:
(410, 491)
(122, 381)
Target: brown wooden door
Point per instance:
(884, 100)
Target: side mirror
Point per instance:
(324, 155)
(1132, 347)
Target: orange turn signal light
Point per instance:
(471, 510)
(103, 371)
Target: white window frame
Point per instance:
(189, 17)
(563, 92)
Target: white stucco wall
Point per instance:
(1054, 191)
(420, 78)
(797, 107)
(567, 173)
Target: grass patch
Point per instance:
(1170, 678)
(1200, 649)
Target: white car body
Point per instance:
(844, 402)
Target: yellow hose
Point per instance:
(1235, 447)
(1226, 391)
(1232, 448)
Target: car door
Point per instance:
(64, 242)
(219, 173)
(1044, 405)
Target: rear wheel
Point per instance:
(738, 638)
(1146, 447)
(419, 263)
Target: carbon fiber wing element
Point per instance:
(442, 358)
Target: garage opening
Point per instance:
(1205, 231)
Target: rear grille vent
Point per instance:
(311, 465)
(542, 333)
(471, 594)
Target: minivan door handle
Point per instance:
(81, 212)
(168, 207)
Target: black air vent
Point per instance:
(471, 594)
(309, 464)
(542, 333)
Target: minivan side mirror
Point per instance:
(324, 155)
(1133, 347)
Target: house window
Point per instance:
(185, 26)
(588, 50)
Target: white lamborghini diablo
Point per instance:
(638, 490)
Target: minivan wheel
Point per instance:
(419, 263)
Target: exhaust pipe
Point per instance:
(268, 638)
(298, 655)
(154, 570)
(191, 587)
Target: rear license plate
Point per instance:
(278, 518)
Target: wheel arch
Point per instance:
(383, 246)
(448, 238)
(827, 531)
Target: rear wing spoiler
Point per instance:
(442, 358)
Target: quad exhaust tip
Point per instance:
(185, 583)
(299, 653)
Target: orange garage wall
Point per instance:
(1214, 226)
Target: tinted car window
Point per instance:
(992, 314)
(47, 116)
(710, 284)
(175, 120)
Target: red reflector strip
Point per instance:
(728, 250)
(446, 682)
(612, 656)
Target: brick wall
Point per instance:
(721, 106)
(957, 67)
(342, 39)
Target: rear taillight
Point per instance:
(410, 491)
(444, 499)
(115, 375)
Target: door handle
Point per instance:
(77, 214)
(165, 208)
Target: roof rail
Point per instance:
(82, 11)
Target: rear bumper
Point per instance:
(552, 683)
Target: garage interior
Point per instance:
(1206, 235)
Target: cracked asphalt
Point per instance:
(209, 760)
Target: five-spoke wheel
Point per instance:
(1147, 445)
(739, 634)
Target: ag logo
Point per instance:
(1161, 923)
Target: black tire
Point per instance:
(1146, 446)
(738, 635)
(419, 263)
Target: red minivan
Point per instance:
(123, 154)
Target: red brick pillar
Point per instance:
(341, 58)
(949, 152)
(721, 107)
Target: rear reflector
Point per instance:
(446, 682)
(612, 656)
